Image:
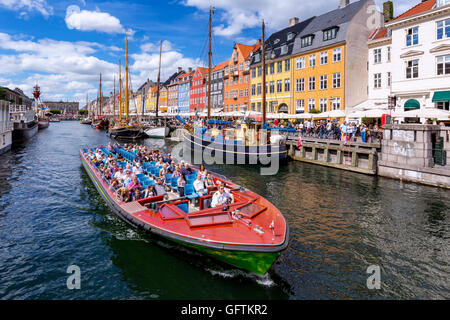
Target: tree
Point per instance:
(55, 112)
(82, 112)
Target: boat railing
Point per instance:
(19, 108)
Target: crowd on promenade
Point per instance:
(131, 182)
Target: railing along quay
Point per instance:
(352, 156)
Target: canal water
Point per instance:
(341, 223)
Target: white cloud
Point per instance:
(85, 20)
(235, 16)
(26, 6)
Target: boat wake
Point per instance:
(264, 280)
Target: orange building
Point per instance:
(237, 78)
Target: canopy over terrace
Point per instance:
(423, 113)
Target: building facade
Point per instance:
(217, 86)
(421, 58)
(68, 108)
(198, 90)
(330, 61)
(237, 78)
(16, 96)
(184, 87)
(279, 47)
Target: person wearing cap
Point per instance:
(221, 197)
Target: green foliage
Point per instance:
(82, 112)
(315, 111)
(389, 10)
(55, 111)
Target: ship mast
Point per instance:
(114, 98)
(101, 95)
(120, 92)
(159, 79)
(209, 63)
(263, 75)
(127, 102)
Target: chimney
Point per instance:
(190, 70)
(344, 3)
(388, 11)
(293, 21)
(180, 69)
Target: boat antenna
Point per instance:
(159, 79)
(127, 102)
(211, 11)
(263, 75)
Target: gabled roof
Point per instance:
(379, 33)
(422, 7)
(339, 18)
(220, 66)
(246, 50)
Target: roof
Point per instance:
(202, 70)
(340, 18)
(172, 77)
(245, 50)
(220, 66)
(379, 33)
(424, 6)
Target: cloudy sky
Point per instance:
(65, 45)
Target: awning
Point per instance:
(441, 96)
(412, 104)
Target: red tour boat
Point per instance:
(249, 233)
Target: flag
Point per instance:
(300, 141)
(272, 225)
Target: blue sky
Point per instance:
(64, 45)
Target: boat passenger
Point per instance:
(177, 172)
(159, 188)
(137, 169)
(135, 188)
(209, 181)
(187, 170)
(181, 184)
(199, 186)
(171, 168)
(149, 192)
(202, 171)
(221, 197)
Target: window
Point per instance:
(253, 89)
(377, 56)
(307, 41)
(311, 104)
(323, 105)
(259, 89)
(324, 57)
(241, 67)
(280, 66)
(443, 65)
(253, 73)
(287, 85)
(246, 79)
(259, 106)
(246, 93)
(279, 86)
(412, 36)
(336, 104)
(290, 36)
(329, 34)
(412, 69)
(300, 62)
(259, 71)
(336, 80)
(443, 29)
(312, 60)
(253, 106)
(241, 93)
(389, 79)
(272, 87)
(272, 68)
(377, 80)
(312, 83)
(443, 105)
(300, 106)
(389, 54)
(284, 49)
(337, 55)
(323, 82)
(287, 65)
(300, 85)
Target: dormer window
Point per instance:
(276, 41)
(330, 34)
(290, 36)
(257, 57)
(284, 49)
(307, 41)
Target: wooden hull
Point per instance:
(43, 124)
(236, 154)
(234, 244)
(127, 134)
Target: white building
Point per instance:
(5, 127)
(421, 61)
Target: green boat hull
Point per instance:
(256, 262)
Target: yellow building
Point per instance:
(319, 80)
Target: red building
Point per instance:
(199, 88)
